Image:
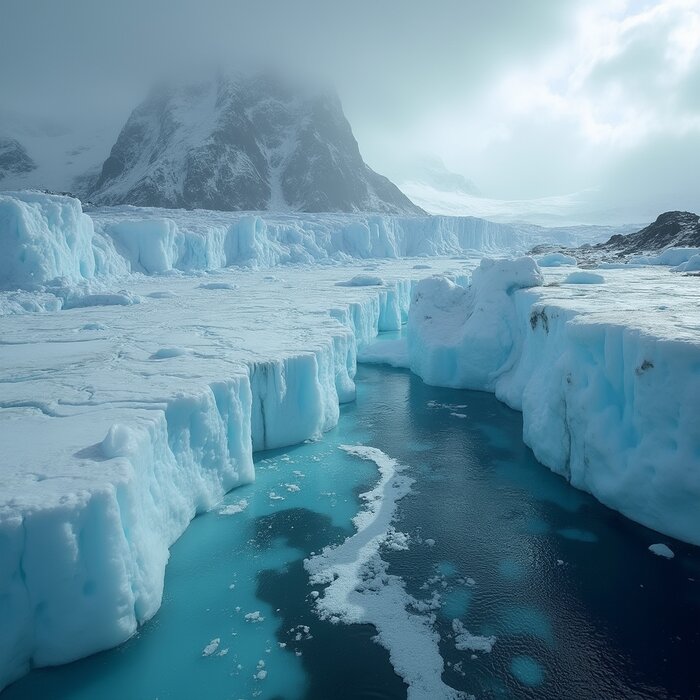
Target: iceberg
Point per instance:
(607, 382)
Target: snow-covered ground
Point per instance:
(135, 401)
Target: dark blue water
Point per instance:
(579, 606)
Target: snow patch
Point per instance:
(584, 277)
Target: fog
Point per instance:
(527, 99)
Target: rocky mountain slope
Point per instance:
(671, 229)
(243, 144)
(14, 159)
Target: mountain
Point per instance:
(14, 159)
(251, 143)
(430, 171)
(671, 229)
(39, 153)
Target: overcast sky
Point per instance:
(527, 98)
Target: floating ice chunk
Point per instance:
(210, 648)
(396, 540)
(584, 277)
(429, 541)
(234, 508)
(466, 641)
(275, 497)
(362, 281)
(255, 616)
(292, 488)
(662, 550)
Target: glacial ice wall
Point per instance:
(117, 475)
(48, 239)
(609, 405)
(43, 237)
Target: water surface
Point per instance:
(578, 605)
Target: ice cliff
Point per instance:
(608, 402)
(48, 239)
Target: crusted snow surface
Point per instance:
(607, 377)
(359, 589)
(120, 423)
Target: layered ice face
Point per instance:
(608, 380)
(47, 239)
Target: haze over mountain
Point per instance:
(588, 107)
(249, 143)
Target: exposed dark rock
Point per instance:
(14, 158)
(243, 144)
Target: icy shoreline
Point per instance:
(609, 396)
(101, 512)
(125, 416)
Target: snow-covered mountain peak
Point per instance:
(234, 143)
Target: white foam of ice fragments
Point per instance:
(466, 641)
(359, 588)
(662, 550)
(234, 508)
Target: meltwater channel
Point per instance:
(578, 605)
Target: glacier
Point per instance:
(121, 422)
(608, 380)
(50, 240)
(162, 348)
